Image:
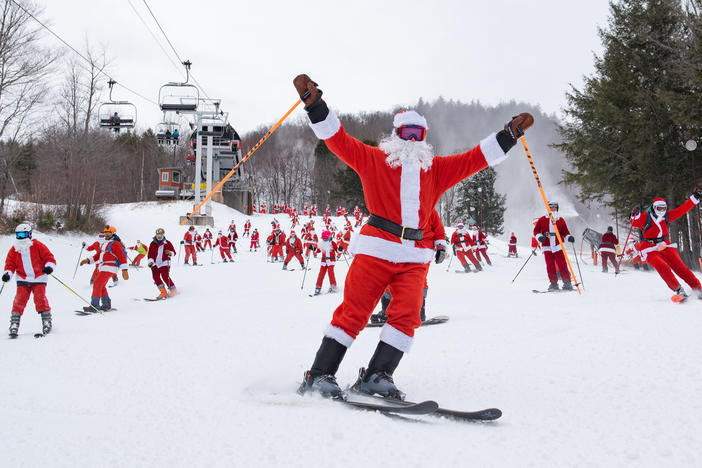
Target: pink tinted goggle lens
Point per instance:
(409, 132)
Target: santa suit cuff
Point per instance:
(51, 265)
(338, 335)
(91, 260)
(694, 199)
(123, 266)
(441, 242)
(492, 151)
(328, 127)
(395, 338)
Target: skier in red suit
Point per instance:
(608, 249)
(311, 241)
(198, 242)
(223, 243)
(31, 261)
(553, 255)
(112, 258)
(328, 249)
(189, 243)
(512, 247)
(402, 182)
(247, 228)
(232, 237)
(481, 243)
(159, 260)
(207, 239)
(463, 247)
(276, 241)
(254, 241)
(655, 245)
(293, 248)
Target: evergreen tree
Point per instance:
(479, 202)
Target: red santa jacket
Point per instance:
(27, 263)
(247, 225)
(112, 258)
(329, 250)
(207, 235)
(254, 236)
(296, 245)
(95, 246)
(160, 252)
(198, 239)
(232, 237)
(462, 241)
(513, 240)
(655, 231)
(188, 238)
(609, 241)
(478, 239)
(311, 239)
(222, 242)
(437, 227)
(544, 227)
(405, 195)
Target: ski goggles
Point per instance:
(660, 208)
(411, 132)
(22, 235)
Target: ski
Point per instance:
(488, 414)
(432, 321)
(538, 291)
(154, 299)
(36, 335)
(39, 335)
(82, 312)
(678, 299)
(416, 409)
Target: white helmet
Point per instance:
(23, 231)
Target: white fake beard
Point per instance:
(461, 231)
(22, 245)
(325, 246)
(556, 216)
(401, 152)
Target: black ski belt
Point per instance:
(655, 240)
(403, 232)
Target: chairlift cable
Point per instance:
(78, 53)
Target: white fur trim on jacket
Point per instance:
(607, 249)
(388, 250)
(694, 199)
(338, 335)
(328, 127)
(409, 117)
(409, 195)
(395, 338)
(492, 150)
(441, 242)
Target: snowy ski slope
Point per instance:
(208, 378)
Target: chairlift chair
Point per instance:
(116, 115)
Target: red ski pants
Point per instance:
(254, 244)
(466, 254)
(323, 270)
(41, 303)
(483, 252)
(668, 261)
(190, 252)
(512, 249)
(207, 244)
(555, 261)
(366, 280)
(609, 256)
(276, 251)
(225, 253)
(162, 276)
(137, 259)
(99, 289)
(292, 254)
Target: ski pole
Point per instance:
(548, 210)
(79, 296)
(449, 265)
(533, 254)
(343, 254)
(2, 287)
(178, 259)
(80, 254)
(212, 256)
(578, 265)
(621, 257)
(243, 160)
(307, 260)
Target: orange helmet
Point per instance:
(111, 229)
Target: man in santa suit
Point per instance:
(207, 238)
(553, 254)
(463, 248)
(293, 248)
(305, 210)
(481, 243)
(254, 241)
(112, 258)
(313, 210)
(277, 241)
(32, 262)
(223, 243)
(253, 208)
(232, 225)
(608, 249)
(247, 228)
(512, 246)
(402, 182)
(159, 260)
(189, 243)
(311, 240)
(232, 237)
(329, 249)
(198, 241)
(656, 248)
(262, 209)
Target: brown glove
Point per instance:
(309, 93)
(85, 261)
(125, 274)
(519, 124)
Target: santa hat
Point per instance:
(409, 118)
(659, 202)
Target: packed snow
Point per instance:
(208, 378)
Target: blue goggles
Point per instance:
(23, 235)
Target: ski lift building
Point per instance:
(170, 183)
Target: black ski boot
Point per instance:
(320, 378)
(317, 291)
(377, 378)
(466, 267)
(553, 287)
(681, 292)
(478, 266)
(567, 286)
(285, 266)
(14, 324)
(46, 322)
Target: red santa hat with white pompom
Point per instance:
(409, 117)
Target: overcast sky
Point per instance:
(365, 55)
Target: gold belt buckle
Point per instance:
(402, 234)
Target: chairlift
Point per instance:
(179, 97)
(167, 132)
(116, 115)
